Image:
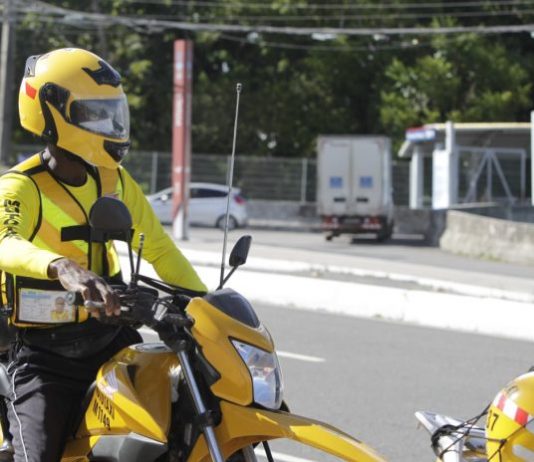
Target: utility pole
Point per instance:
(6, 72)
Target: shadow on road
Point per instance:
(408, 240)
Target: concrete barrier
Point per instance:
(280, 210)
(426, 222)
(489, 238)
(283, 215)
(298, 216)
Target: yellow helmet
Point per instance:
(510, 422)
(74, 99)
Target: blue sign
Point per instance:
(366, 182)
(420, 134)
(336, 182)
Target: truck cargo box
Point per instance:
(354, 193)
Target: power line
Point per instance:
(371, 47)
(282, 18)
(381, 6)
(330, 48)
(136, 21)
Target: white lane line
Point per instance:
(310, 359)
(278, 456)
(282, 354)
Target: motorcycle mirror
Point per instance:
(110, 219)
(239, 253)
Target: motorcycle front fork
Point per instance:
(200, 407)
(208, 427)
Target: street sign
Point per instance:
(420, 134)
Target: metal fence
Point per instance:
(266, 178)
(258, 177)
(493, 175)
(295, 179)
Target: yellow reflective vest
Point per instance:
(43, 219)
(62, 228)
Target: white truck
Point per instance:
(354, 187)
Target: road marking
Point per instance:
(310, 359)
(282, 354)
(281, 457)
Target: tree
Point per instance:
(464, 79)
(297, 87)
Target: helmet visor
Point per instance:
(106, 117)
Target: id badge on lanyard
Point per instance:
(43, 302)
(45, 307)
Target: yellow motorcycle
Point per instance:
(211, 390)
(454, 440)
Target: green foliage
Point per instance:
(297, 87)
(466, 79)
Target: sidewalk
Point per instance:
(404, 261)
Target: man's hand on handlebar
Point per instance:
(95, 291)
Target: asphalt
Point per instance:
(402, 280)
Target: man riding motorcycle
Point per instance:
(74, 101)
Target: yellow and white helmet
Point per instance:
(74, 99)
(510, 422)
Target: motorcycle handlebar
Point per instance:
(178, 320)
(135, 309)
(74, 298)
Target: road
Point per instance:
(402, 255)
(369, 377)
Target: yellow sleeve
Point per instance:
(19, 215)
(159, 249)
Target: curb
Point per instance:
(266, 265)
(466, 313)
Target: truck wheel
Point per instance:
(383, 237)
(385, 234)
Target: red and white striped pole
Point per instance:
(181, 135)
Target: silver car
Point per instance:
(207, 205)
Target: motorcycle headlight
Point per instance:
(265, 372)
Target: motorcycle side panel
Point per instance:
(242, 426)
(133, 394)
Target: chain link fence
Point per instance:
(265, 178)
(262, 178)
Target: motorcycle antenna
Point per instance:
(230, 178)
(139, 254)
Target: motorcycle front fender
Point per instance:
(243, 426)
